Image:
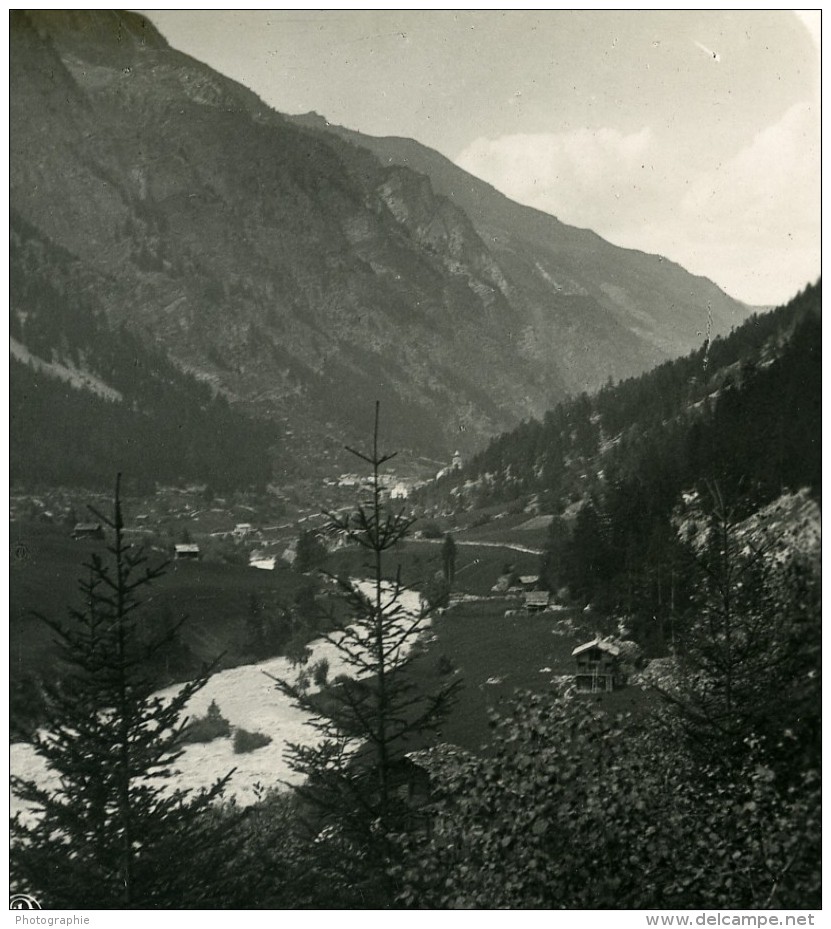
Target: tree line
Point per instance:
(743, 412)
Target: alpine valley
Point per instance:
(563, 652)
(229, 289)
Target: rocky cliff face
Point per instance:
(595, 310)
(298, 273)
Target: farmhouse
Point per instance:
(536, 601)
(186, 551)
(598, 666)
(242, 530)
(88, 531)
(529, 581)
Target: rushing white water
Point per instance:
(247, 698)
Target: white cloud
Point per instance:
(579, 176)
(752, 224)
(775, 179)
(761, 209)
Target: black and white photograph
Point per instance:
(415, 463)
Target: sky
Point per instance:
(690, 134)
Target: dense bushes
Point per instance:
(576, 809)
(245, 741)
(207, 728)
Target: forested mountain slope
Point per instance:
(741, 416)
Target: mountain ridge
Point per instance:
(294, 271)
(492, 212)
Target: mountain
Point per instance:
(744, 410)
(608, 311)
(739, 420)
(297, 273)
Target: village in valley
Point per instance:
(232, 561)
(197, 531)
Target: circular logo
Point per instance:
(23, 902)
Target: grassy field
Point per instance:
(217, 600)
(496, 656)
(515, 528)
(478, 567)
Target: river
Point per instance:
(247, 697)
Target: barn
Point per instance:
(536, 601)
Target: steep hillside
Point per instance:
(607, 311)
(89, 398)
(246, 249)
(749, 403)
(301, 276)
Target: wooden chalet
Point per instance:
(598, 666)
(88, 531)
(536, 601)
(186, 551)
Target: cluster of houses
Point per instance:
(392, 486)
(527, 586)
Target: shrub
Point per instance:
(245, 741)
(445, 665)
(435, 591)
(430, 530)
(320, 672)
(207, 728)
(610, 812)
(297, 651)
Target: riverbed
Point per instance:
(248, 698)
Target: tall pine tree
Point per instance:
(748, 655)
(367, 721)
(115, 834)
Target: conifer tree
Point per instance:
(368, 720)
(448, 559)
(115, 834)
(748, 656)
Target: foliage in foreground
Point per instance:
(748, 649)
(575, 809)
(713, 802)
